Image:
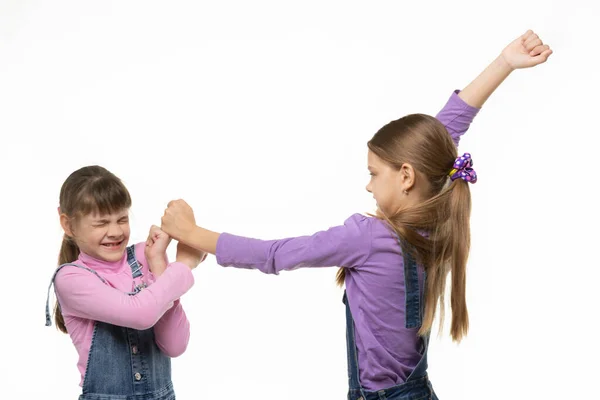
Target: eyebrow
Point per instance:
(108, 220)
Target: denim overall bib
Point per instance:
(123, 363)
(417, 385)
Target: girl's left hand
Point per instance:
(526, 51)
(156, 244)
(178, 220)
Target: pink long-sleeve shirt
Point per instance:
(84, 299)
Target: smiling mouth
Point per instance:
(112, 246)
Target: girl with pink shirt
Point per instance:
(119, 304)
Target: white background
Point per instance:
(258, 113)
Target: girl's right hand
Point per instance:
(189, 256)
(155, 250)
(526, 51)
(157, 243)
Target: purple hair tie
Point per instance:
(463, 168)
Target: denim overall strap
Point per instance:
(136, 267)
(48, 318)
(136, 271)
(414, 309)
(355, 390)
(413, 294)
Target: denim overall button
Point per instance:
(134, 350)
(138, 376)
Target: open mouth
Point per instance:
(112, 245)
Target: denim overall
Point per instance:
(417, 385)
(123, 363)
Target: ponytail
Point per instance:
(459, 243)
(446, 219)
(69, 252)
(340, 277)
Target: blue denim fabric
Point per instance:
(417, 385)
(123, 363)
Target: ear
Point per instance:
(407, 177)
(66, 225)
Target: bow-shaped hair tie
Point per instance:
(463, 169)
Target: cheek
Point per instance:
(100, 233)
(91, 235)
(383, 190)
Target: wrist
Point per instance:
(157, 264)
(190, 235)
(201, 239)
(158, 258)
(188, 261)
(502, 64)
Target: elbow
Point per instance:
(270, 267)
(270, 270)
(174, 350)
(144, 321)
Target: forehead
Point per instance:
(374, 160)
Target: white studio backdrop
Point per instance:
(258, 113)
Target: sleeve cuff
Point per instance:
(456, 99)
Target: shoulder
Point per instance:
(74, 275)
(355, 231)
(381, 235)
(359, 223)
(366, 225)
(358, 232)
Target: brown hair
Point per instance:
(423, 142)
(88, 190)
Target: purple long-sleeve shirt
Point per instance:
(366, 247)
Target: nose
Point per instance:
(115, 230)
(368, 187)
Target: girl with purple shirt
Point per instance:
(394, 264)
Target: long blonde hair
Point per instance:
(423, 142)
(91, 189)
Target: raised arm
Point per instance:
(526, 51)
(462, 107)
